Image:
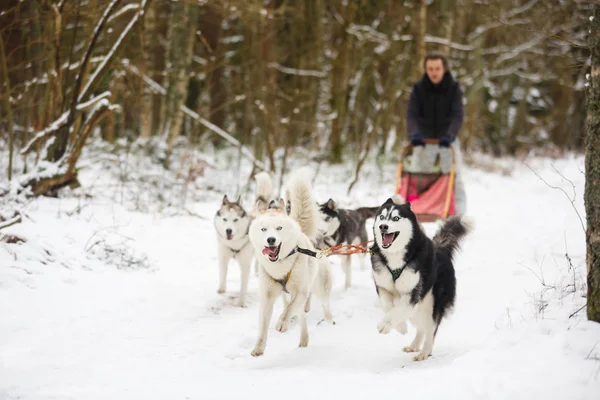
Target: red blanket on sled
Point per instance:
(427, 195)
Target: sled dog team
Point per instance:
(413, 274)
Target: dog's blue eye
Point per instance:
(381, 217)
(396, 219)
(279, 228)
(263, 229)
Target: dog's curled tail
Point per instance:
(367, 212)
(452, 232)
(303, 208)
(264, 187)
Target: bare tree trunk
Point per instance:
(59, 146)
(340, 73)
(11, 134)
(592, 171)
(447, 22)
(419, 25)
(182, 45)
(149, 32)
(211, 22)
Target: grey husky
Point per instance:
(339, 225)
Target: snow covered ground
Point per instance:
(106, 302)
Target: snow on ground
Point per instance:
(106, 302)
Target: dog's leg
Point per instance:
(361, 257)
(255, 267)
(429, 332)
(267, 300)
(294, 308)
(245, 269)
(416, 343)
(307, 304)
(386, 300)
(347, 266)
(224, 257)
(322, 289)
(397, 316)
(303, 330)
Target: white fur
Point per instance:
(237, 247)
(307, 275)
(303, 209)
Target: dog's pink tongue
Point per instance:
(268, 251)
(388, 238)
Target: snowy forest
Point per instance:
(124, 123)
(331, 76)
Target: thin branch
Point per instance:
(572, 201)
(579, 309)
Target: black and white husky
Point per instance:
(414, 275)
(339, 225)
(279, 239)
(232, 224)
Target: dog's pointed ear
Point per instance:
(331, 205)
(239, 199)
(389, 201)
(261, 205)
(281, 205)
(225, 200)
(407, 205)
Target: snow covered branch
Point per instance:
(9, 222)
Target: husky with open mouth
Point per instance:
(414, 275)
(279, 240)
(232, 224)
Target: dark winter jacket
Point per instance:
(435, 111)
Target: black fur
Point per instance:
(352, 223)
(431, 258)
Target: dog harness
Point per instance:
(235, 252)
(395, 272)
(283, 282)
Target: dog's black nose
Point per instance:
(383, 227)
(228, 231)
(271, 241)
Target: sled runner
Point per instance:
(425, 178)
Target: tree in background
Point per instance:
(592, 171)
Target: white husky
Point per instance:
(277, 239)
(232, 223)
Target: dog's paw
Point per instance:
(410, 349)
(384, 327)
(257, 352)
(401, 327)
(303, 342)
(221, 290)
(242, 304)
(282, 325)
(420, 357)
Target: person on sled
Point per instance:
(435, 111)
